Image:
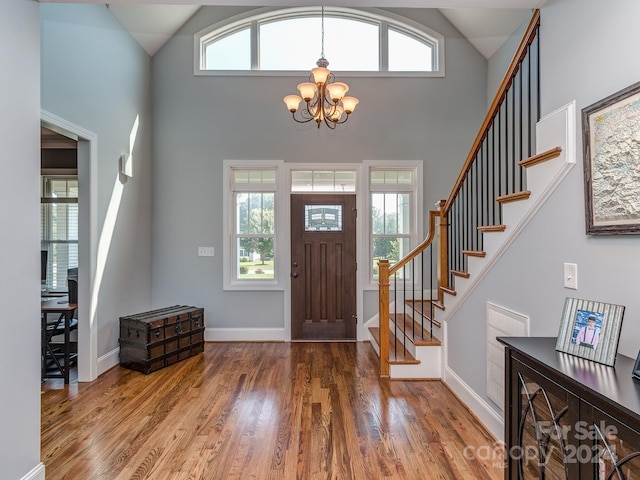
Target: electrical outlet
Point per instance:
(206, 251)
(571, 276)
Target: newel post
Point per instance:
(443, 247)
(383, 313)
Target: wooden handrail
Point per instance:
(520, 54)
(421, 247)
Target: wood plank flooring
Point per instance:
(262, 411)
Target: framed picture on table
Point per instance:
(636, 368)
(590, 330)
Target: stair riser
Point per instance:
(430, 366)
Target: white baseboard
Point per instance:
(491, 419)
(108, 361)
(37, 473)
(244, 335)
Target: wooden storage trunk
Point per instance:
(152, 340)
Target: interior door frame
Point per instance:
(361, 249)
(87, 240)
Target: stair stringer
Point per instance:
(553, 130)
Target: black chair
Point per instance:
(72, 284)
(53, 351)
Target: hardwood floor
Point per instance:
(262, 411)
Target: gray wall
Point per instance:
(19, 242)
(97, 77)
(586, 47)
(200, 121)
(499, 62)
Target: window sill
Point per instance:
(250, 286)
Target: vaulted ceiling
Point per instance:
(485, 23)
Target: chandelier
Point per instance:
(325, 100)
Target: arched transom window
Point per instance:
(291, 40)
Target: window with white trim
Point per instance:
(323, 180)
(59, 227)
(253, 194)
(392, 216)
(355, 41)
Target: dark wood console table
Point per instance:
(567, 417)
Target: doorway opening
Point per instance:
(323, 267)
(85, 142)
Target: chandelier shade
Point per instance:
(325, 100)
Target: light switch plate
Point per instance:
(571, 276)
(206, 251)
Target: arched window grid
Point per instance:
(385, 21)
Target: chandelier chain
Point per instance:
(322, 21)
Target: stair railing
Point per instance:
(413, 283)
(490, 175)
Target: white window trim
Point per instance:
(417, 207)
(385, 18)
(279, 253)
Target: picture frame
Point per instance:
(612, 163)
(636, 368)
(590, 330)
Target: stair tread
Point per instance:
(492, 228)
(514, 197)
(417, 334)
(474, 253)
(541, 157)
(398, 355)
(419, 307)
(450, 291)
(460, 273)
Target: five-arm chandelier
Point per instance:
(324, 98)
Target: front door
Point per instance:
(323, 267)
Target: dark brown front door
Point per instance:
(323, 267)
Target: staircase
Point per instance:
(500, 188)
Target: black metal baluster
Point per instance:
(431, 250)
(395, 314)
(521, 121)
(513, 138)
(507, 145)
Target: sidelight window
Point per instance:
(254, 199)
(392, 214)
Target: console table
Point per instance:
(568, 417)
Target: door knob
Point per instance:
(294, 274)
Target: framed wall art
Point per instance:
(590, 330)
(611, 145)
